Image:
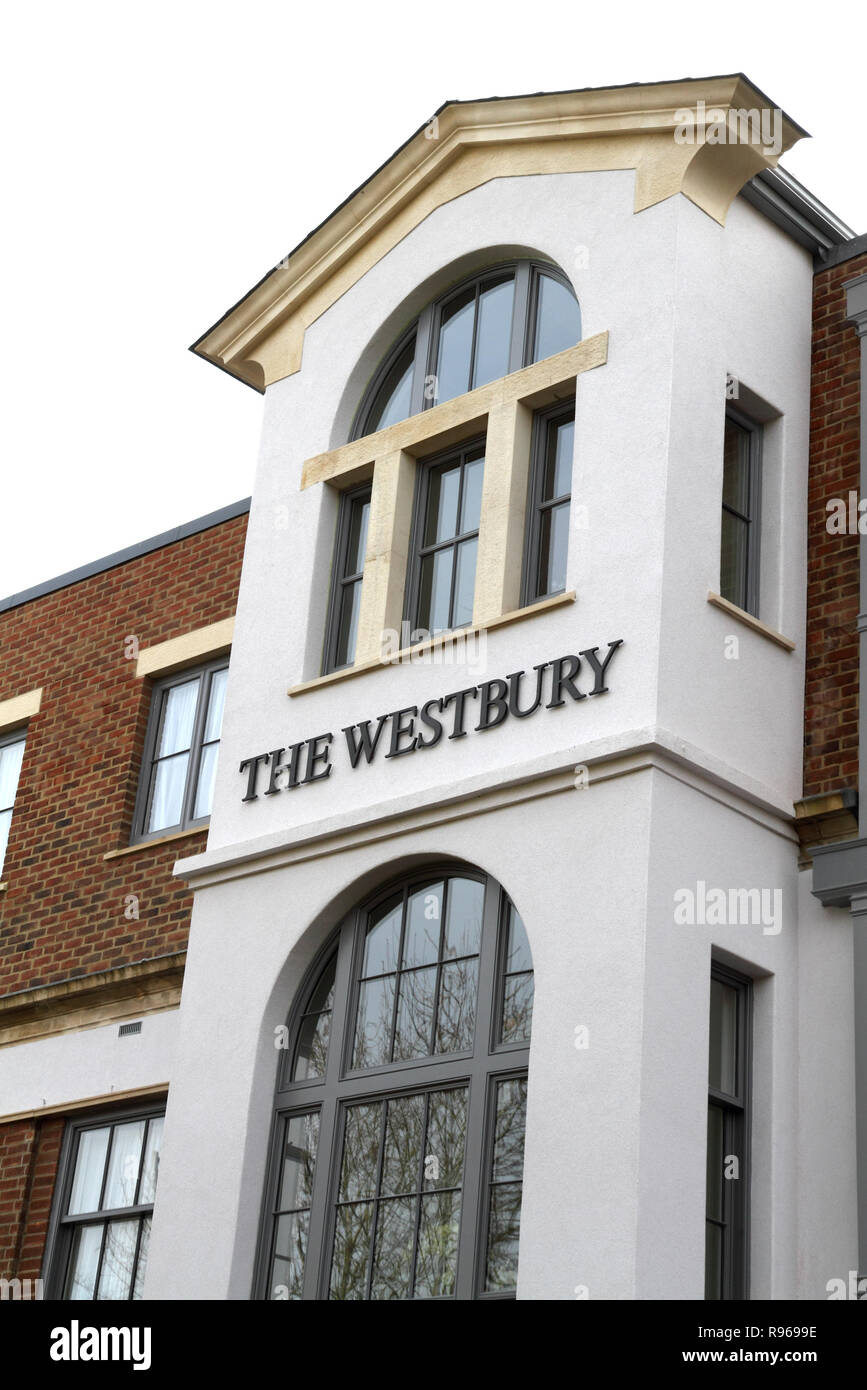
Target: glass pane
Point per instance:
(509, 1129)
(11, 757)
(357, 543)
(439, 1230)
(118, 1258)
(446, 1138)
(455, 346)
(471, 502)
(518, 955)
(382, 943)
(373, 1026)
(736, 468)
(5, 823)
(300, 1138)
(415, 1011)
(86, 1246)
(216, 703)
(435, 591)
(123, 1165)
(421, 944)
(713, 1252)
(441, 522)
(141, 1263)
(361, 1135)
(205, 787)
(715, 1161)
(465, 583)
(179, 712)
(404, 1128)
(504, 1225)
(494, 331)
(464, 917)
(557, 474)
(553, 549)
(456, 1016)
(722, 1071)
(151, 1166)
(311, 1056)
(290, 1250)
(347, 626)
(395, 1240)
(517, 1008)
(323, 993)
(393, 398)
(170, 778)
(558, 319)
(351, 1255)
(89, 1168)
(733, 563)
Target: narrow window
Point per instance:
(556, 317)
(101, 1228)
(550, 499)
(446, 537)
(741, 498)
(11, 758)
(726, 1238)
(181, 747)
(474, 340)
(348, 574)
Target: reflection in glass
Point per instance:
(89, 1168)
(455, 346)
(494, 332)
(722, 1069)
(118, 1260)
(123, 1165)
(558, 318)
(393, 399)
(85, 1261)
(517, 998)
(504, 1212)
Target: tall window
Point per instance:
(550, 501)
(445, 541)
(726, 1240)
(181, 747)
(103, 1207)
(348, 575)
(483, 328)
(397, 1159)
(11, 758)
(739, 561)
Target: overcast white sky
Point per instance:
(159, 159)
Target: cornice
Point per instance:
(467, 144)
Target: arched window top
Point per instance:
(398, 1156)
(501, 319)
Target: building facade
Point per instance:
(507, 970)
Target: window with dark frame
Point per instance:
(441, 582)
(180, 755)
(344, 603)
(728, 1177)
(11, 758)
(100, 1228)
(550, 499)
(493, 323)
(407, 1062)
(741, 510)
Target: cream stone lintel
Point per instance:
(749, 621)
(194, 646)
(19, 709)
(385, 560)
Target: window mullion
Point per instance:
(191, 787)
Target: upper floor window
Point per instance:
(345, 602)
(11, 758)
(483, 328)
(549, 503)
(180, 755)
(442, 577)
(741, 505)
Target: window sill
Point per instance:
(158, 840)
(411, 654)
(749, 621)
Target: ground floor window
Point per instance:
(727, 1208)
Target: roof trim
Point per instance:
(780, 197)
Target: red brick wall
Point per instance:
(831, 716)
(29, 1151)
(62, 913)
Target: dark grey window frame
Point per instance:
(61, 1228)
(736, 1140)
(206, 670)
(7, 739)
(480, 1070)
(754, 520)
(426, 329)
(417, 550)
(339, 578)
(536, 505)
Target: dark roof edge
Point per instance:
(132, 552)
(780, 197)
(856, 247)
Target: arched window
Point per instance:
(500, 320)
(398, 1145)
